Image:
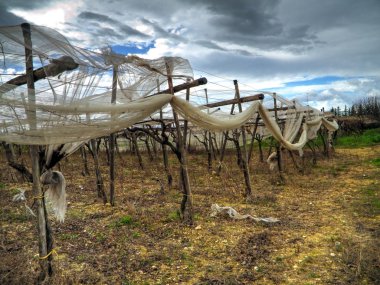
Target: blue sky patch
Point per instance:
(316, 81)
(132, 48)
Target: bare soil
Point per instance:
(329, 229)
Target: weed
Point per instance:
(69, 236)
(313, 275)
(76, 214)
(125, 220)
(307, 259)
(81, 258)
(368, 138)
(173, 216)
(375, 162)
(100, 237)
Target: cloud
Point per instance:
(259, 42)
(9, 19)
(104, 23)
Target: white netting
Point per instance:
(71, 102)
(75, 105)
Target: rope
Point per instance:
(50, 253)
(38, 197)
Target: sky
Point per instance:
(324, 53)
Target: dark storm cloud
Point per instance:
(210, 45)
(22, 4)
(100, 18)
(245, 17)
(9, 19)
(160, 32)
(255, 23)
(244, 38)
(213, 46)
(328, 14)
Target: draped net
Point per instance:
(73, 103)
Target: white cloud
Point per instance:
(54, 16)
(263, 44)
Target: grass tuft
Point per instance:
(368, 138)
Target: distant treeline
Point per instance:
(369, 106)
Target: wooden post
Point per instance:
(189, 142)
(112, 140)
(185, 123)
(210, 150)
(99, 178)
(278, 145)
(253, 138)
(85, 170)
(137, 150)
(186, 204)
(164, 148)
(183, 86)
(57, 66)
(45, 262)
(247, 177)
(224, 143)
(233, 102)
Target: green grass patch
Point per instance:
(101, 237)
(173, 216)
(375, 162)
(373, 198)
(69, 236)
(123, 221)
(370, 200)
(368, 138)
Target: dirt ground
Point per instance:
(329, 229)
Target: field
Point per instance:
(329, 229)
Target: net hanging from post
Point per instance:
(73, 95)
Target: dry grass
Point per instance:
(328, 234)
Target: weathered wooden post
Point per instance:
(99, 179)
(45, 256)
(210, 150)
(164, 148)
(112, 139)
(185, 123)
(224, 143)
(247, 178)
(186, 204)
(137, 150)
(225, 137)
(83, 153)
(253, 138)
(278, 145)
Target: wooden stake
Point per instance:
(45, 263)
(253, 138)
(247, 177)
(185, 123)
(235, 101)
(112, 140)
(278, 145)
(224, 142)
(57, 66)
(165, 149)
(186, 204)
(99, 178)
(210, 150)
(187, 85)
(85, 170)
